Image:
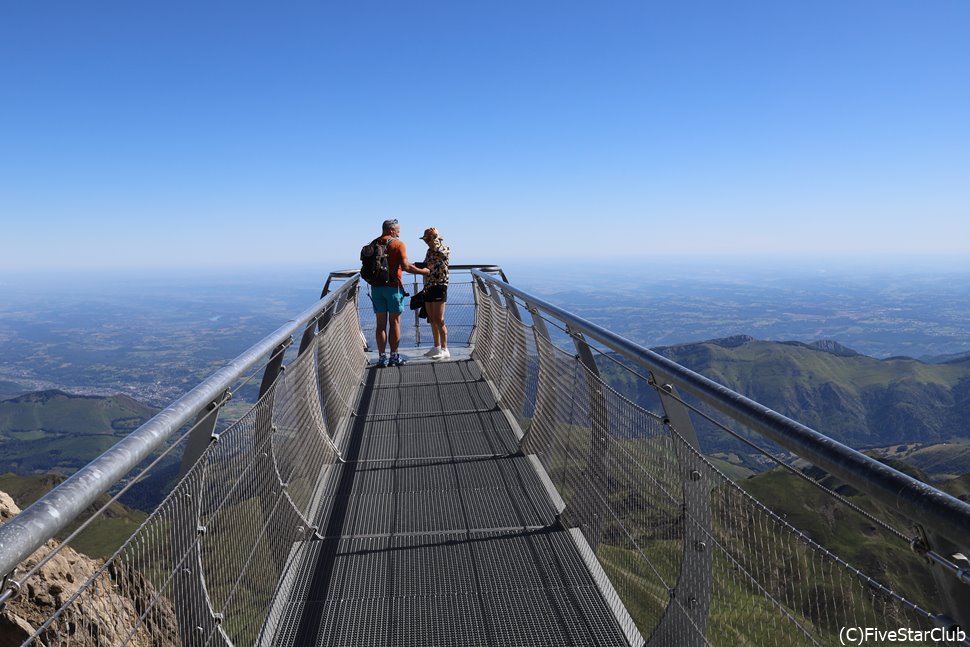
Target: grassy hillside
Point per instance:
(52, 431)
(847, 533)
(103, 537)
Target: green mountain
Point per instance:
(53, 431)
(858, 400)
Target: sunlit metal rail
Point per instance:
(514, 496)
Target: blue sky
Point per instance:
(137, 134)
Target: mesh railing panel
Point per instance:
(340, 359)
(773, 585)
(415, 332)
(206, 565)
(302, 445)
(505, 347)
(669, 549)
(190, 556)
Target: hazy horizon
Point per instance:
(628, 268)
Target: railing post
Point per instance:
(538, 323)
(309, 333)
(599, 433)
(274, 367)
(511, 305)
(685, 620)
(476, 284)
(203, 432)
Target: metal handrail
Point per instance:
(919, 502)
(22, 535)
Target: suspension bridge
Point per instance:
(512, 495)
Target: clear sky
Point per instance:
(145, 134)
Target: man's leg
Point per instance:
(394, 318)
(381, 333)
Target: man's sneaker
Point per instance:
(443, 353)
(434, 351)
(382, 361)
(397, 360)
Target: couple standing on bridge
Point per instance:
(388, 300)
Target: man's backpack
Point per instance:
(373, 262)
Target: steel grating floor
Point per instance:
(439, 532)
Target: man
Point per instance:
(389, 300)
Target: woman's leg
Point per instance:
(433, 322)
(442, 328)
(436, 314)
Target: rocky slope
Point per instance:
(106, 618)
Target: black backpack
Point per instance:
(373, 262)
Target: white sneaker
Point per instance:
(444, 353)
(434, 351)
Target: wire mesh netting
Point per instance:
(415, 332)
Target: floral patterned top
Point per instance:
(436, 260)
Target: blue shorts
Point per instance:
(387, 299)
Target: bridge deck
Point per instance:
(440, 532)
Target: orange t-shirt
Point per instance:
(395, 257)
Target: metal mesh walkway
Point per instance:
(437, 532)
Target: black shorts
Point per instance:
(436, 294)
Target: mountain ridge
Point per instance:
(856, 399)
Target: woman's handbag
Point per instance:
(417, 303)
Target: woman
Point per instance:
(436, 291)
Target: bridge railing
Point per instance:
(692, 555)
(204, 567)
